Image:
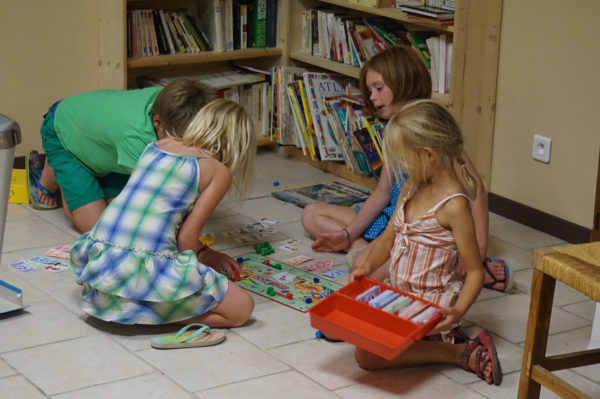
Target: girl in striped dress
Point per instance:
(142, 262)
(431, 227)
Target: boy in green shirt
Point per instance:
(93, 140)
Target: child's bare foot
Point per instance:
(48, 196)
(495, 277)
(43, 187)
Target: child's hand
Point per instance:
(331, 241)
(220, 262)
(451, 317)
(361, 271)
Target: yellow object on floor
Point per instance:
(18, 193)
(208, 241)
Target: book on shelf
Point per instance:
(428, 11)
(319, 86)
(259, 24)
(333, 192)
(418, 42)
(369, 149)
(299, 119)
(271, 28)
(211, 19)
(283, 129)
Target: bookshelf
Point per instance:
(472, 96)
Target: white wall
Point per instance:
(549, 84)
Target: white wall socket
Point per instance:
(541, 148)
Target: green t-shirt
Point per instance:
(106, 130)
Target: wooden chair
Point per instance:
(550, 266)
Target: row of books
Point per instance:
(344, 38)
(158, 32)
(222, 25)
(440, 10)
(321, 113)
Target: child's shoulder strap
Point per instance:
(444, 200)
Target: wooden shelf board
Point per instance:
(337, 168)
(394, 13)
(203, 57)
(263, 140)
(349, 70)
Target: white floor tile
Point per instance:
(74, 364)
(288, 385)
(17, 387)
(207, 367)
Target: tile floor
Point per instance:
(53, 350)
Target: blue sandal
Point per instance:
(203, 336)
(34, 166)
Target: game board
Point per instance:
(283, 283)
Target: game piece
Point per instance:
(425, 315)
(308, 300)
(369, 294)
(411, 311)
(319, 334)
(237, 277)
(266, 261)
(240, 260)
(383, 299)
(397, 304)
(275, 183)
(208, 241)
(316, 280)
(264, 248)
(271, 291)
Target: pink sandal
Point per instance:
(486, 353)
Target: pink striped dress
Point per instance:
(424, 257)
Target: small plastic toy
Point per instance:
(266, 261)
(206, 241)
(264, 248)
(316, 280)
(275, 183)
(271, 291)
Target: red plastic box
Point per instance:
(369, 328)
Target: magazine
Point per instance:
(333, 192)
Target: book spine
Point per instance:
(167, 32)
(259, 24)
(420, 47)
(228, 26)
(174, 34)
(152, 32)
(271, 28)
(200, 32)
(160, 35)
(244, 26)
(129, 38)
(192, 32)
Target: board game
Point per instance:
(282, 283)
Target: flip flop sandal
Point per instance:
(203, 336)
(507, 280)
(34, 166)
(486, 353)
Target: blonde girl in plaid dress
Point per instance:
(431, 227)
(142, 262)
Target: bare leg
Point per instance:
(321, 218)
(420, 353)
(233, 311)
(86, 216)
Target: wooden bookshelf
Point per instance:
(476, 36)
(472, 97)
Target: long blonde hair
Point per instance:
(421, 124)
(224, 129)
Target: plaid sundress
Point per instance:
(131, 269)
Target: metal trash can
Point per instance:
(10, 136)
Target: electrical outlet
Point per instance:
(541, 148)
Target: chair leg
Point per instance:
(536, 337)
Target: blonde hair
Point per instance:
(421, 124)
(402, 70)
(178, 102)
(224, 129)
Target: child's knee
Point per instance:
(244, 310)
(308, 215)
(365, 359)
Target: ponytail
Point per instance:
(469, 179)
